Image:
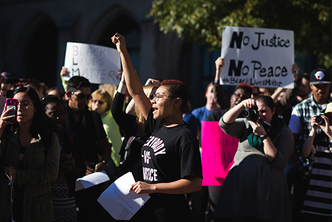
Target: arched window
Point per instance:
(40, 54)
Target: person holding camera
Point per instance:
(318, 202)
(255, 187)
(300, 124)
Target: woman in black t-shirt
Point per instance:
(170, 156)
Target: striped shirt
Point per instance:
(318, 200)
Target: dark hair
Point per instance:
(60, 92)
(49, 99)
(36, 126)
(177, 89)
(299, 80)
(268, 101)
(76, 82)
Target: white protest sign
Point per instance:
(99, 64)
(256, 56)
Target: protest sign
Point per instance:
(256, 56)
(218, 150)
(99, 64)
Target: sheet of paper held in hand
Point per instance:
(119, 202)
(91, 180)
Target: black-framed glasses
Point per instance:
(82, 96)
(160, 96)
(98, 101)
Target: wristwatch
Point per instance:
(264, 137)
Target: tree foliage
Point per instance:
(202, 20)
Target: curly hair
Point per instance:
(177, 89)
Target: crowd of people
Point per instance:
(282, 168)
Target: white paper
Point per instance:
(256, 56)
(119, 202)
(99, 64)
(91, 180)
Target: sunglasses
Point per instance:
(82, 96)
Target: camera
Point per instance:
(251, 114)
(320, 121)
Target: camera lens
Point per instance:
(319, 120)
(246, 113)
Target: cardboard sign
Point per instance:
(99, 64)
(218, 150)
(256, 56)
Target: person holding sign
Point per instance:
(170, 156)
(256, 186)
(242, 91)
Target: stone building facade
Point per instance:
(34, 33)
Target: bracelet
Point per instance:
(264, 137)
(123, 82)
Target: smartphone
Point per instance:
(11, 104)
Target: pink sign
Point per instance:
(218, 150)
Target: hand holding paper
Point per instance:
(119, 201)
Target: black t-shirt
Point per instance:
(216, 115)
(170, 153)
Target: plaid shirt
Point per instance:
(305, 110)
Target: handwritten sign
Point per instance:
(256, 56)
(99, 64)
(218, 150)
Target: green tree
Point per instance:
(202, 21)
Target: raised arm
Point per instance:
(124, 121)
(133, 82)
(307, 146)
(218, 92)
(230, 116)
(291, 94)
(131, 106)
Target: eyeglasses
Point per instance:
(160, 96)
(82, 96)
(98, 101)
(25, 105)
